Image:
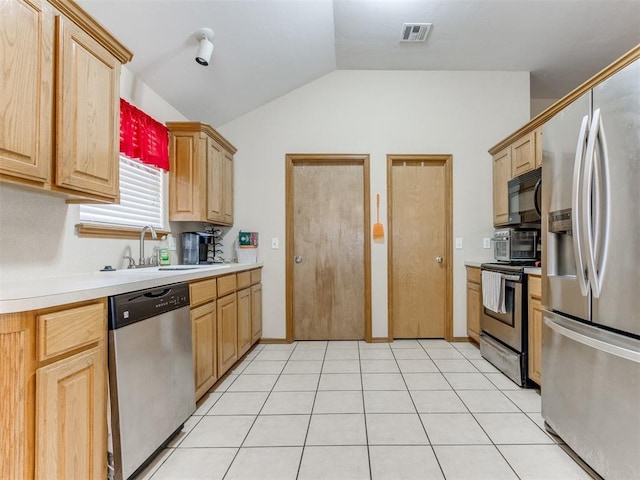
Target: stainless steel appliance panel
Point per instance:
(152, 372)
(616, 302)
(512, 364)
(507, 326)
(560, 284)
(593, 414)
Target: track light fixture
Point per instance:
(205, 47)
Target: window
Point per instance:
(142, 194)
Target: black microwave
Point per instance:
(524, 198)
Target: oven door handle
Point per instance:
(513, 278)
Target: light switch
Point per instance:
(275, 243)
(458, 243)
(486, 242)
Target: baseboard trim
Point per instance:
(380, 340)
(273, 340)
(461, 339)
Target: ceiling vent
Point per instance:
(415, 32)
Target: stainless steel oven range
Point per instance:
(504, 337)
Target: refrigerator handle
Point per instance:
(596, 199)
(598, 344)
(576, 210)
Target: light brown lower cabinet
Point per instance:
(535, 329)
(474, 303)
(256, 312)
(53, 379)
(244, 321)
(203, 333)
(227, 333)
(70, 417)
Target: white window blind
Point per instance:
(141, 198)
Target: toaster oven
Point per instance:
(515, 245)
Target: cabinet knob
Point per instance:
(298, 259)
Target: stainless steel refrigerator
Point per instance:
(591, 275)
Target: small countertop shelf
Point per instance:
(25, 295)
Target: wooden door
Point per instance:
(256, 312)
(215, 182)
(227, 333)
(328, 233)
(419, 245)
(523, 155)
(244, 321)
(71, 417)
(227, 189)
(87, 122)
(203, 333)
(501, 177)
(26, 57)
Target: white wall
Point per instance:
(376, 112)
(539, 105)
(37, 229)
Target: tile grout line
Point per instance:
(364, 414)
(258, 414)
(313, 404)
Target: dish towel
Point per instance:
(493, 291)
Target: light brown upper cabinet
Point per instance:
(521, 156)
(501, 175)
(201, 161)
(60, 118)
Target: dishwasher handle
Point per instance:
(134, 307)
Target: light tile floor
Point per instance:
(411, 409)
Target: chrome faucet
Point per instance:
(153, 235)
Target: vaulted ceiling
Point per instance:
(266, 48)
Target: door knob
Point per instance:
(298, 259)
(439, 259)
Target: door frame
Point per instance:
(448, 254)
(293, 159)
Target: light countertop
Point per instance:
(24, 295)
(533, 270)
(470, 263)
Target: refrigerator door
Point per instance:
(617, 233)
(564, 282)
(590, 394)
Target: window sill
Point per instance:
(92, 230)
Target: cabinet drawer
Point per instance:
(202, 292)
(256, 276)
(244, 279)
(226, 285)
(535, 286)
(473, 275)
(60, 332)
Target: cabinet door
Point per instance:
(535, 330)
(26, 43)
(215, 182)
(501, 177)
(244, 321)
(538, 134)
(228, 188)
(256, 312)
(203, 332)
(474, 309)
(71, 417)
(87, 114)
(227, 333)
(186, 156)
(523, 155)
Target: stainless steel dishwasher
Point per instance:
(151, 380)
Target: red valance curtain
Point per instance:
(142, 137)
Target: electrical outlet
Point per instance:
(458, 243)
(275, 243)
(486, 242)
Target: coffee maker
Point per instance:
(198, 248)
